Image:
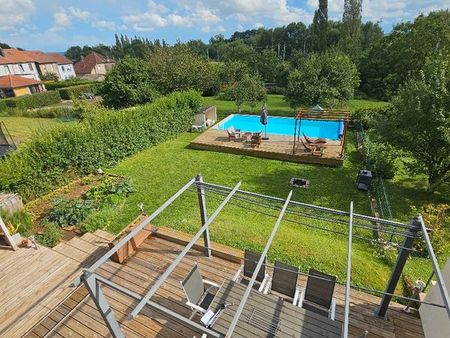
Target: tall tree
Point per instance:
(351, 28)
(319, 26)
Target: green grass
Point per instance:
(21, 128)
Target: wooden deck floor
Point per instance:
(277, 147)
(34, 281)
(77, 316)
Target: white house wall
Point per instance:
(28, 70)
(66, 71)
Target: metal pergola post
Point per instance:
(133, 233)
(435, 264)
(348, 277)
(144, 300)
(103, 307)
(398, 268)
(258, 266)
(203, 212)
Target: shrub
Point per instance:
(56, 112)
(51, 235)
(19, 221)
(381, 157)
(99, 219)
(108, 186)
(33, 101)
(368, 116)
(67, 83)
(276, 90)
(69, 211)
(53, 156)
(74, 92)
(50, 77)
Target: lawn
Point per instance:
(21, 128)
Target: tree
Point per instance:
(324, 79)
(319, 26)
(249, 89)
(177, 68)
(403, 53)
(268, 65)
(127, 84)
(351, 28)
(420, 121)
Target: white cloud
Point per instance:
(14, 13)
(79, 13)
(61, 21)
(104, 24)
(178, 20)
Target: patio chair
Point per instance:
(315, 140)
(314, 149)
(256, 139)
(198, 291)
(318, 294)
(250, 262)
(284, 281)
(233, 134)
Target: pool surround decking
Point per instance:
(278, 147)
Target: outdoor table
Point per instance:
(268, 316)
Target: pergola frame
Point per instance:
(93, 281)
(322, 115)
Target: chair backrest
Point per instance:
(250, 263)
(284, 279)
(231, 130)
(193, 285)
(320, 290)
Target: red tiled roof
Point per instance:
(13, 81)
(13, 55)
(87, 64)
(59, 59)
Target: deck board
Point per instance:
(277, 147)
(139, 272)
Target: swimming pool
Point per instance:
(283, 126)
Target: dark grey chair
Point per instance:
(318, 294)
(251, 260)
(284, 281)
(198, 291)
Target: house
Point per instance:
(17, 62)
(93, 66)
(14, 85)
(65, 66)
(45, 63)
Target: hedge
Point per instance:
(65, 84)
(53, 156)
(32, 101)
(74, 92)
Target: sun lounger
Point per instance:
(233, 134)
(315, 140)
(314, 149)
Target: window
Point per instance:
(30, 65)
(63, 69)
(6, 69)
(21, 68)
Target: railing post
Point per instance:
(97, 295)
(399, 265)
(203, 213)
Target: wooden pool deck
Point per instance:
(77, 316)
(277, 147)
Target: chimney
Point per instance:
(1, 52)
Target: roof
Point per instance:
(87, 64)
(14, 81)
(13, 55)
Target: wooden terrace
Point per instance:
(277, 147)
(77, 315)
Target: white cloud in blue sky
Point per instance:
(56, 25)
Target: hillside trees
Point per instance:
(325, 79)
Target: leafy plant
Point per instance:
(110, 185)
(19, 221)
(70, 211)
(99, 219)
(51, 235)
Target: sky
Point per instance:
(52, 25)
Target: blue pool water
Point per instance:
(283, 126)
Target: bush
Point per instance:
(69, 211)
(381, 157)
(51, 235)
(108, 186)
(74, 92)
(368, 116)
(55, 155)
(276, 90)
(48, 113)
(67, 83)
(99, 219)
(19, 221)
(50, 77)
(33, 101)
